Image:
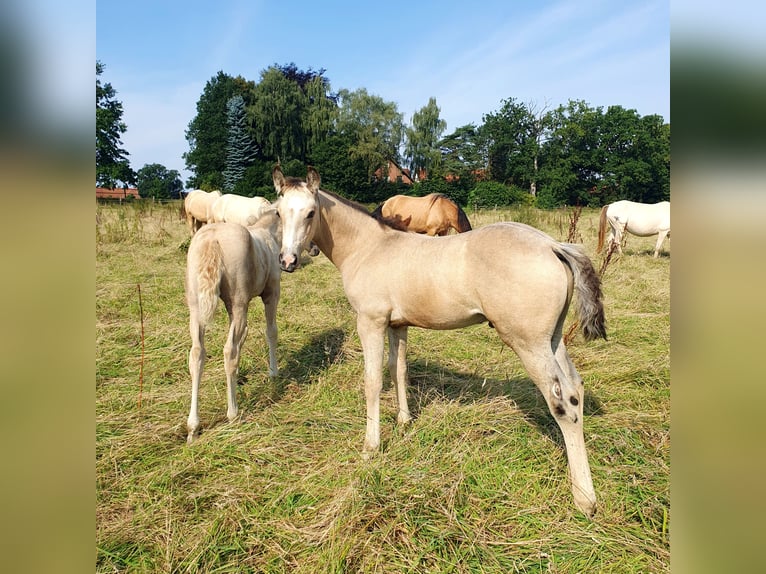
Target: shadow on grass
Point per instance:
(429, 382)
(302, 366)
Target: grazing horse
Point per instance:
(233, 263)
(512, 275)
(231, 208)
(432, 214)
(641, 219)
(197, 204)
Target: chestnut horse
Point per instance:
(197, 207)
(432, 214)
(641, 219)
(235, 264)
(514, 276)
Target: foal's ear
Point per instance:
(313, 179)
(278, 177)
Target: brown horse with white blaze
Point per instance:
(512, 275)
(432, 214)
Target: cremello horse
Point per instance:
(641, 219)
(197, 205)
(512, 275)
(231, 208)
(432, 214)
(234, 263)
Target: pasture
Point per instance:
(476, 483)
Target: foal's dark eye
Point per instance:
(279, 216)
(310, 215)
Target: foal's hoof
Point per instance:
(586, 505)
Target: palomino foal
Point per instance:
(235, 264)
(511, 275)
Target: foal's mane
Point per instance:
(382, 221)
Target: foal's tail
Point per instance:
(601, 229)
(209, 271)
(462, 220)
(590, 308)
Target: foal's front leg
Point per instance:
(397, 367)
(270, 302)
(371, 333)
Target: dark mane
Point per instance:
(385, 222)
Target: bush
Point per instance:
(488, 194)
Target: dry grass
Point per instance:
(477, 483)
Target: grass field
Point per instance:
(477, 483)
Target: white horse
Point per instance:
(234, 263)
(232, 208)
(641, 219)
(197, 204)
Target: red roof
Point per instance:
(117, 193)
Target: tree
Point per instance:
(374, 127)
(292, 111)
(112, 165)
(572, 158)
(156, 181)
(513, 135)
(421, 150)
(207, 133)
(240, 148)
(463, 153)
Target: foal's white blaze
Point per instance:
(297, 214)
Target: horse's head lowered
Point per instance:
(298, 208)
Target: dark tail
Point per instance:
(601, 229)
(590, 307)
(462, 220)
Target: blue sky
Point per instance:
(469, 56)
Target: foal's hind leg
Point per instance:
(564, 397)
(197, 359)
(397, 367)
(579, 468)
(231, 354)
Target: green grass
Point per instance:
(477, 483)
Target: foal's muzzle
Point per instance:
(288, 262)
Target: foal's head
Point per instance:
(298, 208)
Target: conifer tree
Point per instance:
(240, 148)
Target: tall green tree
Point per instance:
(156, 181)
(572, 161)
(112, 165)
(208, 132)
(240, 147)
(463, 152)
(421, 149)
(374, 127)
(292, 111)
(513, 135)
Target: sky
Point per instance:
(470, 57)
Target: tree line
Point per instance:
(574, 154)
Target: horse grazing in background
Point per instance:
(641, 219)
(233, 263)
(432, 214)
(514, 276)
(197, 205)
(231, 208)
